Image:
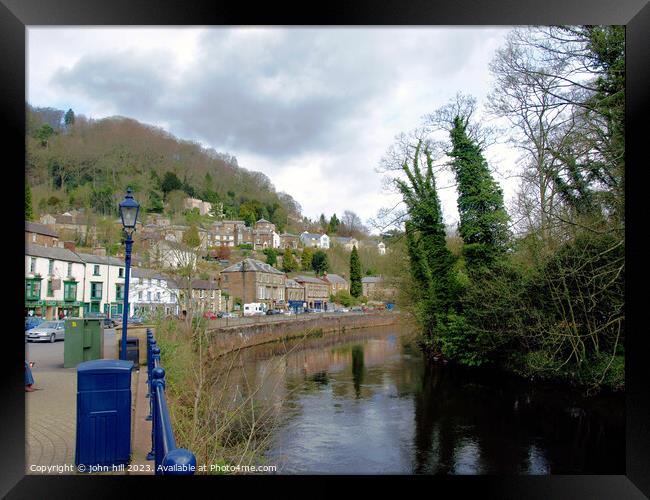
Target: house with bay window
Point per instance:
(54, 282)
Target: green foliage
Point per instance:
(319, 262)
(245, 246)
(306, 258)
(170, 182)
(69, 117)
(344, 298)
(155, 203)
(271, 256)
(355, 273)
(483, 219)
(333, 225)
(191, 237)
(102, 200)
(44, 133)
(289, 264)
(29, 212)
(193, 216)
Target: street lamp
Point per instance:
(129, 209)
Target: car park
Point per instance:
(48, 331)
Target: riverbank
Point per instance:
(226, 339)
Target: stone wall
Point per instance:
(225, 339)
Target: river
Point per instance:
(366, 402)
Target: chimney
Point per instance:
(99, 251)
(69, 245)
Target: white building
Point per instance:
(104, 284)
(276, 240)
(152, 293)
(381, 248)
(54, 282)
(171, 254)
(315, 240)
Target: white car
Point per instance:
(48, 331)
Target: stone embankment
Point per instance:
(226, 339)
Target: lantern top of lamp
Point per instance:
(129, 210)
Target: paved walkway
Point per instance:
(51, 412)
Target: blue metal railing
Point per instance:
(168, 459)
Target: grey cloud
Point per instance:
(277, 94)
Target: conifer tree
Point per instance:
(355, 274)
(29, 212)
(305, 259)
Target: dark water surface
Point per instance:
(366, 402)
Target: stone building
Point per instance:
(40, 234)
(317, 291)
(252, 280)
(336, 283)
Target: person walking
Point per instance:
(29, 378)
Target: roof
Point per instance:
(264, 220)
(204, 285)
(140, 272)
(371, 279)
(52, 253)
(100, 259)
(309, 279)
(344, 239)
(38, 228)
(314, 236)
(290, 283)
(252, 265)
(64, 219)
(288, 234)
(334, 278)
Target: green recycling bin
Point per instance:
(83, 341)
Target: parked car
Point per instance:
(343, 310)
(136, 320)
(32, 322)
(109, 323)
(48, 331)
(272, 312)
(226, 314)
(209, 315)
(357, 309)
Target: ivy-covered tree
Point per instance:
(355, 273)
(483, 219)
(319, 262)
(435, 291)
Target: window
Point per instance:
(158, 296)
(69, 268)
(32, 289)
(149, 296)
(32, 265)
(69, 291)
(50, 267)
(96, 290)
(120, 273)
(119, 292)
(140, 295)
(50, 292)
(95, 270)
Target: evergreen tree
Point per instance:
(319, 262)
(170, 182)
(483, 219)
(334, 224)
(323, 223)
(355, 273)
(271, 256)
(305, 259)
(69, 117)
(29, 212)
(289, 264)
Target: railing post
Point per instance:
(158, 382)
(179, 462)
(151, 343)
(155, 354)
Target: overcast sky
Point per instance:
(314, 109)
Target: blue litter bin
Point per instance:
(103, 412)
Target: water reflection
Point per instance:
(365, 402)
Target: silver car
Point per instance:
(48, 331)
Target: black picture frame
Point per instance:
(16, 15)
